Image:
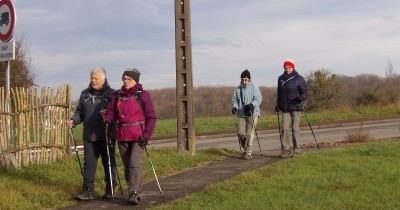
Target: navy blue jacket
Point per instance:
(88, 112)
(292, 90)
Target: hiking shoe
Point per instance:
(134, 199)
(286, 153)
(297, 151)
(108, 194)
(247, 156)
(86, 195)
(242, 155)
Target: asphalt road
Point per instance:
(269, 139)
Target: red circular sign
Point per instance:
(7, 20)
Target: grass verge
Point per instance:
(364, 176)
(54, 185)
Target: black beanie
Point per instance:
(245, 74)
(133, 73)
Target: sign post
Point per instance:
(7, 23)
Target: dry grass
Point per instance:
(358, 136)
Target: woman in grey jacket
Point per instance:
(246, 101)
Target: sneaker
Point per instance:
(247, 156)
(286, 153)
(242, 155)
(86, 195)
(297, 151)
(134, 199)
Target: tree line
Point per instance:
(326, 90)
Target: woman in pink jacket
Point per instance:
(132, 109)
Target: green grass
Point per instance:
(357, 177)
(54, 185)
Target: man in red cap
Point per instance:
(292, 91)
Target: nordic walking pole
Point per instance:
(154, 171)
(115, 163)
(109, 164)
(240, 147)
(311, 129)
(77, 152)
(255, 130)
(258, 141)
(279, 128)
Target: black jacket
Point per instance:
(292, 90)
(88, 112)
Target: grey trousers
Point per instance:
(132, 157)
(246, 129)
(290, 119)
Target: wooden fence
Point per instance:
(32, 126)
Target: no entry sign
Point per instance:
(7, 20)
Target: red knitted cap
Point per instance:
(289, 62)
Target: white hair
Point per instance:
(99, 70)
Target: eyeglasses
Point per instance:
(127, 79)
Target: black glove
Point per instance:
(276, 108)
(248, 109)
(234, 109)
(143, 142)
(301, 98)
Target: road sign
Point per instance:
(7, 51)
(7, 20)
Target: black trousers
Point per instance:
(92, 152)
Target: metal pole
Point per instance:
(7, 104)
(279, 128)
(109, 165)
(77, 153)
(240, 146)
(154, 171)
(311, 129)
(255, 130)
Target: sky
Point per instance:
(68, 38)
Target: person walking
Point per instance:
(292, 91)
(132, 109)
(91, 101)
(246, 101)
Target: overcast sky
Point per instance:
(68, 38)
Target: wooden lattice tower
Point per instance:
(184, 79)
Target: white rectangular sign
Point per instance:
(7, 51)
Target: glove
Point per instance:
(276, 108)
(234, 109)
(143, 142)
(301, 98)
(248, 109)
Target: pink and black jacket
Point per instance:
(132, 110)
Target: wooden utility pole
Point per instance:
(184, 78)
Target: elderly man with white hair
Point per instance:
(92, 101)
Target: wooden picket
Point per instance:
(32, 126)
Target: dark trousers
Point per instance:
(93, 150)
